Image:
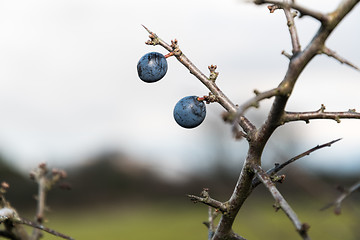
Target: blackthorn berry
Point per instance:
(189, 112)
(152, 67)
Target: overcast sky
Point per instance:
(69, 87)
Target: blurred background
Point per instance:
(70, 97)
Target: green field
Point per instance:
(169, 221)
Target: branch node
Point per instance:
(276, 178)
(256, 92)
(276, 206)
(206, 199)
(322, 108)
(213, 74)
(295, 14)
(154, 40)
(286, 54)
(273, 7)
(337, 119)
(174, 45)
(208, 99)
(304, 228)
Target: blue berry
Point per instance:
(189, 112)
(152, 67)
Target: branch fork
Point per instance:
(280, 202)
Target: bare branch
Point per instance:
(342, 60)
(206, 199)
(345, 193)
(208, 82)
(238, 197)
(292, 29)
(43, 228)
(297, 65)
(306, 153)
(210, 224)
(279, 167)
(254, 102)
(302, 228)
(45, 183)
(303, 10)
(39, 175)
(319, 114)
(277, 116)
(258, 138)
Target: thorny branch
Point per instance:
(292, 30)
(280, 201)
(319, 114)
(253, 102)
(277, 116)
(333, 54)
(345, 193)
(210, 224)
(292, 4)
(278, 167)
(43, 228)
(206, 199)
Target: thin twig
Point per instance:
(206, 199)
(301, 228)
(279, 167)
(342, 60)
(41, 179)
(303, 10)
(254, 102)
(210, 223)
(288, 55)
(45, 183)
(306, 153)
(43, 228)
(319, 114)
(345, 193)
(292, 30)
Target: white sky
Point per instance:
(69, 86)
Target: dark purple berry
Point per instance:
(189, 112)
(152, 67)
